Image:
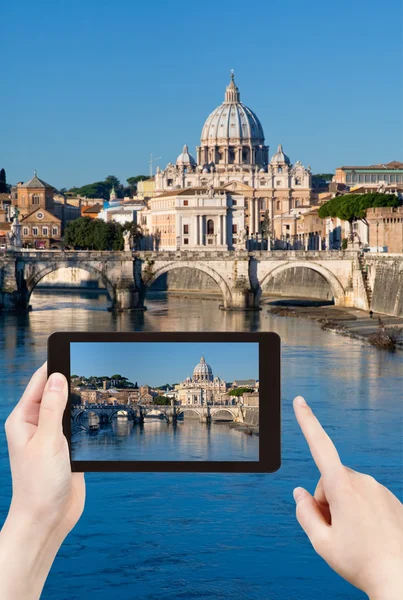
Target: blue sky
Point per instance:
(91, 88)
(160, 363)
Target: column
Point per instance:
(252, 216)
(222, 231)
(201, 241)
(257, 215)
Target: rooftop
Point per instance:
(35, 182)
(394, 164)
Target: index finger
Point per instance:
(323, 450)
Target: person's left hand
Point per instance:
(45, 491)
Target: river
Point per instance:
(212, 537)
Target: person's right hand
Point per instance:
(352, 521)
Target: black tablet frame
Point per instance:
(269, 412)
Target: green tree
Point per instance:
(238, 392)
(162, 401)
(133, 181)
(3, 182)
(266, 226)
(94, 234)
(353, 207)
(320, 178)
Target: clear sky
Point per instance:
(91, 88)
(159, 363)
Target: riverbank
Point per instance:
(245, 428)
(350, 322)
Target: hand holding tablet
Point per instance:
(171, 402)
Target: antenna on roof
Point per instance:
(151, 161)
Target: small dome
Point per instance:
(262, 170)
(185, 159)
(202, 371)
(205, 170)
(279, 156)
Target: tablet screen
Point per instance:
(164, 401)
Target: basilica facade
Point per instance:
(232, 160)
(202, 388)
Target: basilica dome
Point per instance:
(202, 371)
(232, 120)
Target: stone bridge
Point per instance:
(205, 414)
(241, 276)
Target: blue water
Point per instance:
(213, 537)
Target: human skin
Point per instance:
(48, 498)
(353, 522)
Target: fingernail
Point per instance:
(300, 401)
(56, 382)
(298, 494)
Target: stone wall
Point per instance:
(71, 278)
(299, 282)
(186, 280)
(252, 416)
(385, 272)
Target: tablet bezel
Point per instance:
(269, 412)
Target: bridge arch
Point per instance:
(200, 266)
(185, 410)
(221, 410)
(33, 280)
(129, 412)
(336, 287)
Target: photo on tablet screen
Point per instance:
(164, 401)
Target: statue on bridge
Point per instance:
(127, 236)
(14, 235)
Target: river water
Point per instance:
(155, 439)
(213, 537)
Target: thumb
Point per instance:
(311, 519)
(52, 407)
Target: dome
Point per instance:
(279, 156)
(232, 120)
(202, 371)
(185, 159)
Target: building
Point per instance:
(202, 388)
(195, 219)
(41, 229)
(233, 156)
(34, 194)
(126, 212)
(388, 174)
(385, 227)
(92, 211)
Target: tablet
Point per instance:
(174, 402)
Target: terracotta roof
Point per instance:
(394, 164)
(96, 208)
(48, 216)
(35, 182)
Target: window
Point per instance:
(234, 241)
(279, 169)
(278, 182)
(45, 231)
(235, 228)
(349, 178)
(189, 184)
(234, 202)
(297, 203)
(186, 229)
(170, 182)
(297, 181)
(25, 231)
(186, 203)
(35, 199)
(34, 231)
(210, 241)
(55, 231)
(186, 241)
(367, 178)
(210, 227)
(278, 204)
